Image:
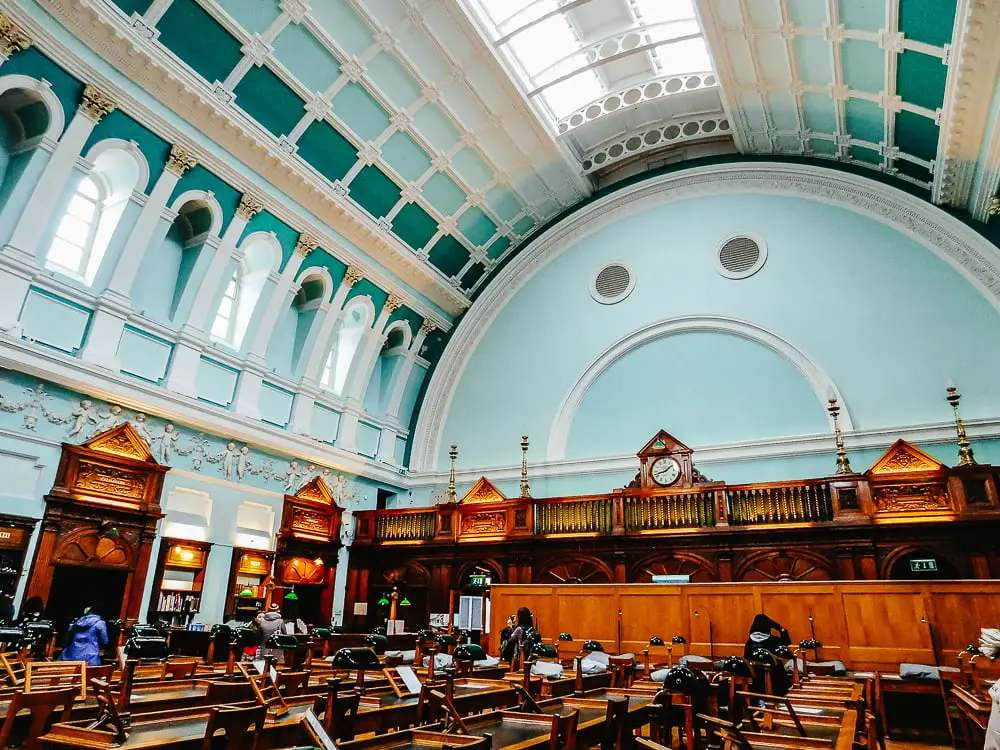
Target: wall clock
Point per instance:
(665, 471)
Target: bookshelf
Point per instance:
(180, 574)
(14, 535)
(250, 586)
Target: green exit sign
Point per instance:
(479, 580)
(923, 566)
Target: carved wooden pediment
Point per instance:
(904, 458)
(122, 440)
(317, 491)
(662, 443)
(483, 491)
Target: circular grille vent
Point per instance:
(740, 256)
(612, 283)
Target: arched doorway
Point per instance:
(920, 565)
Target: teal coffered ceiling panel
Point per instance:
(860, 153)
(819, 112)
(403, 154)
(414, 226)
(306, 58)
(448, 255)
(864, 65)
(927, 21)
(503, 202)
(865, 120)
(344, 26)
(920, 79)
(812, 55)
(435, 127)
(524, 225)
(326, 150)
(498, 248)
(862, 15)
(188, 31)
(360, 112)
(133, 6)
(810, 14)
(470, 277)
(443, 194)
(917, 135)
(472, 169)
(393, 80)
(374, 191)
(253, 15)
(476, 226)
(266, 98)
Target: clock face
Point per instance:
(665, 471)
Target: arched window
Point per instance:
(341, 356)
(225, 318)
(71, 247)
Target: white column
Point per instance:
(252, 377)
(343, 559)
(114, 306)
(399, 384)
(20, 254)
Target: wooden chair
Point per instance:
(46, 708)
(340, 714)
(107, 712)
(563, 735)
(293, 683)
(614, 723)
(241, 727)
(178, 670)
(727, 732)
(265, 692)
(439, 705)
(13, 665)
(47, 675)
(101, 672)
(622, 671)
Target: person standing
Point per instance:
(270, 622)
(87, 636)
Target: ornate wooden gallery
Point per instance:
(907, 516)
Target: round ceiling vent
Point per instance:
(740, 256)
(612, 283)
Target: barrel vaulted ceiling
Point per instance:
(439, 135)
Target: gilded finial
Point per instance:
(525, 489)
(180, 161)
(965, 457)
(12, 39)
(353, 275)
(452, 454)
(96, 104)
(843, 464)
(305, 245)
(249, 207)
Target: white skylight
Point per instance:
(550, 44)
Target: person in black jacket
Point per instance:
(768, 634)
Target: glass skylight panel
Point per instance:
(688, 56)
(658, 11)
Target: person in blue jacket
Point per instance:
(87, 636)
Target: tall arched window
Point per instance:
(74, 240)
(338, 362)
(225, 317)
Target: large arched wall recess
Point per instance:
(971, 255)
(817, 378)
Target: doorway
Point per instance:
(75, 587)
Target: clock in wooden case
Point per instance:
(665, 462)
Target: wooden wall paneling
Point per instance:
(730, 608)
(886, 627)
(792, 608)
(957, 615)
(589, 612)
(646, 614)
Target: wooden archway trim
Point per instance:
(685, 563)
(576, 569)
(897, 553)
(775, 564)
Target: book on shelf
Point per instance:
(178, 602)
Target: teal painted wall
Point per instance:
(886, 318)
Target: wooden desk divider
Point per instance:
(441, 702)
(44, 675)
(13, 667)
(107, 712)
(265, 690)
(578, 684)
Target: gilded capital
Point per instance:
(180, 161)
(96, 104)
(305, 245)
(249, 207)
(392, 303)
(427, 328)
(993, 207)
(12, 39)
(353, 275)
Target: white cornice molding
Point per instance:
(939, 433)
(970, 254)
(817, 378)
(107, 34)
(55, 367)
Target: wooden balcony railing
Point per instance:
(574, 517)
(792, 502)
(680, 511)
(406, 527)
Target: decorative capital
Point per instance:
(249, 207)
(993, 206)
(427, 328)
(96, 104)
(305, 245)
(180, 161)
(353, 275)
(12, 39)
(392, 303)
